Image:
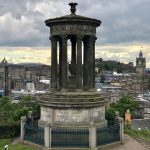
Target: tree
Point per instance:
(11, 112)
(110, 114)
(5, 108)
(29, 102)
(125, 102)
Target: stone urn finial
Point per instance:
(73, 7)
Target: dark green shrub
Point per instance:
(9, 129)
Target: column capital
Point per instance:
(120, 120)
(23, 118)
(79, 37)
(73, 39)
(93, 38)
(52, 38)
(64, 37)
(92, 124)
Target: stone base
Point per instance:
(72, 108)
(75, 116)
(65, 99)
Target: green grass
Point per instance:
(142, 134)
(4, 142)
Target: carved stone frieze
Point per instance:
(73, 28)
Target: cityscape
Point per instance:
(74, 80)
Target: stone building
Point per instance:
(136, 83)
(140, 65)
(140, 82)
(5, 80)
(21, 74)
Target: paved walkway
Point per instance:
(131, 144)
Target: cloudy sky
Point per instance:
(124, 30)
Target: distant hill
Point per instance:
(32, 64)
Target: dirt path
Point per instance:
(15, 140)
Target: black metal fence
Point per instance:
(68, 137)
(72, 137)
(107, 135)
(34, 134)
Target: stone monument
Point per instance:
(72, 112)
(72, 100)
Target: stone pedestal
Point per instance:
(92, 136)
(23, 121)
(73, 108)
(47, 135)
(121, 124)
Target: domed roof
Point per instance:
(72, 18)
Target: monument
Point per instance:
(73, 99)
(72, 112)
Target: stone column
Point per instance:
(53, 62)
(94, 40)
(91, 73)
(64, 61)
(85, 63)
(79, 61)
(73, 51)
(92, 136)
(89, 67)
(60, 63)
(23, 121)
(47, 135)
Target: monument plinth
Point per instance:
(73, 99)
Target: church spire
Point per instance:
(140, 54)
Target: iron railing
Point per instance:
(34, 134)
(68, 137)
(72, 137)
(107, 135)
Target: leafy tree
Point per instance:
(27, 101)
(5, 108)
(110, 114)
(12, 112)
(126, 102)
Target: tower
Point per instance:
(6, 79)
(140, 65)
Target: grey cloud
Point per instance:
(123, 21)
